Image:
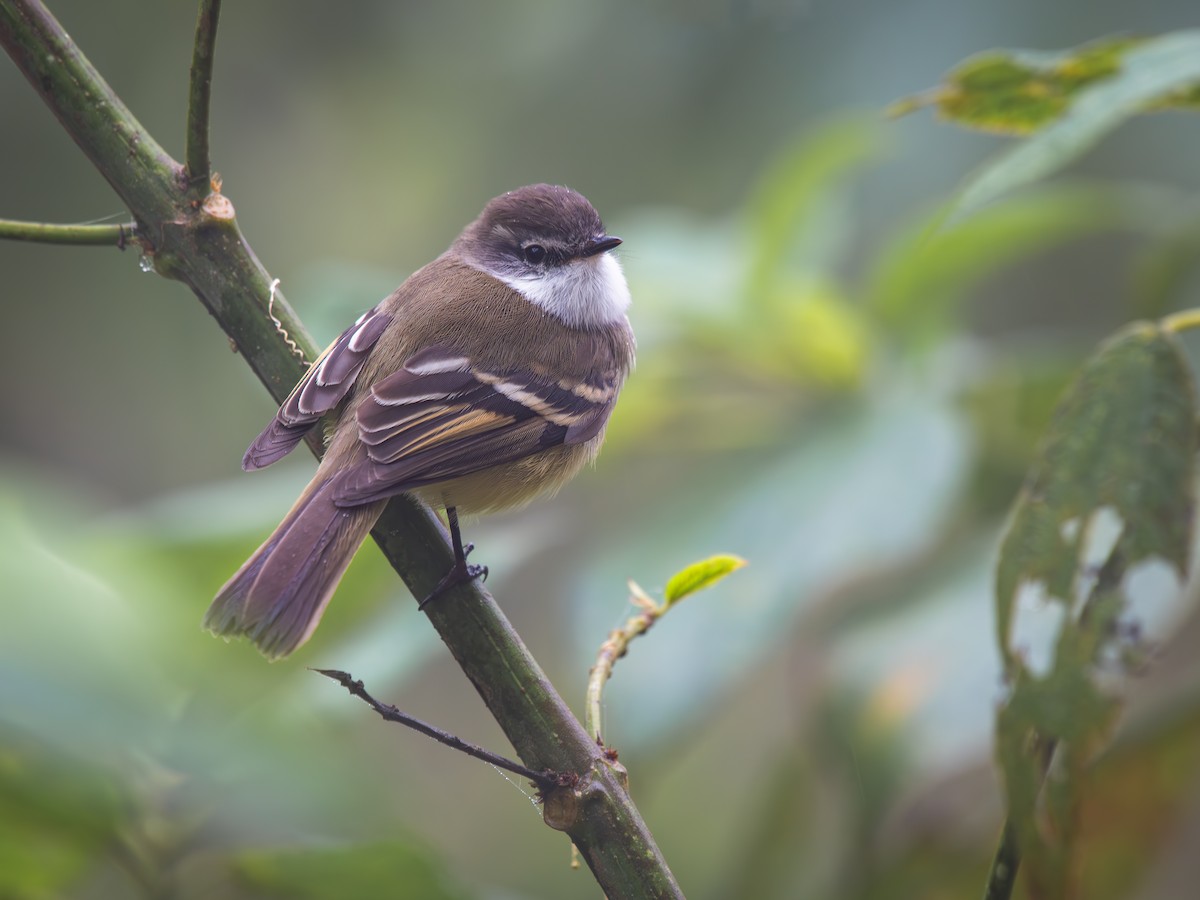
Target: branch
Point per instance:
(197, 162)
(544, 780)
(200, 245)
(1002, 877)
(1006, 863)
(79, 235)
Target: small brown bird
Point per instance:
(485, 380)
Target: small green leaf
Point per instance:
(700, 575)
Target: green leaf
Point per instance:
(1019, 91)
(1123, 437)
(700, 576)
(391, 869)
(1120, 447)
(1155, 74)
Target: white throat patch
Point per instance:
(583, 293)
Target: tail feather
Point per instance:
(277, 597)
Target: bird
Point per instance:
(484, 381)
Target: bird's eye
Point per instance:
(535, 254)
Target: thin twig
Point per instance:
(613, 648)
(79, 235)
(544, 780)
(1002, 877)
(197, 160)
(692, 579)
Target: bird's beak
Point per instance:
(601, 245)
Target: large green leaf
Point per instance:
(1071, 102)
(1118, 458)
(1021, 91)
(1123, 438)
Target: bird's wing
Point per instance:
(443, 416)
(323, 387)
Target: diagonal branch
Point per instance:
(196, 158)
(200, 245)
(1002, 876)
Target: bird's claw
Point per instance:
(460, 573)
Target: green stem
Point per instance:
(1184, 320)
(613, 648)
(197, 162)
(1002, 877)
(79, 235)
(200, 245)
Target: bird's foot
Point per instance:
(460, 573)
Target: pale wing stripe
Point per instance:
(457, 427)
(394, 427)
(597, 394)
(436, 364)
(415, 398)
(404, 388)
(520, 393)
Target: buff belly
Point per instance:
(512, 485)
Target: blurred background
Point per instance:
(848, 407)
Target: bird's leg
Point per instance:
(462, 571)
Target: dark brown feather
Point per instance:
(323, 387)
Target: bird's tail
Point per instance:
(277, 597)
